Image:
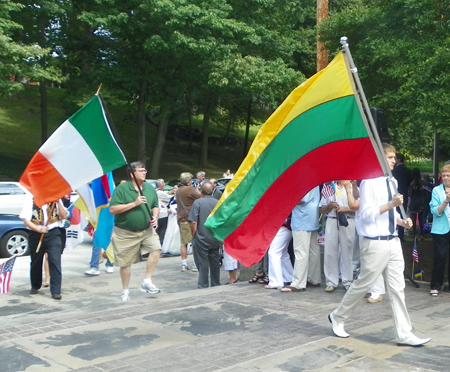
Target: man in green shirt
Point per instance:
(135, 223)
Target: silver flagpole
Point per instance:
(372, 130)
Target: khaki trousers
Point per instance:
(307, 258)
(380, 257)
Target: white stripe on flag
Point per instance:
(71, 156)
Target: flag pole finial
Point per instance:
(344, 40)
(98, 90)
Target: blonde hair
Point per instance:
(388, 148)
(445, 168)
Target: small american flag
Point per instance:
(5, 274)
(415, 253)
(327, 190)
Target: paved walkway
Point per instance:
(239, 327)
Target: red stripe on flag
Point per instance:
(75, 217)
(348, 159)
(43, 180)
(105, 183)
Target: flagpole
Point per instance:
(48, 220)
(372, 130)
(116, 136)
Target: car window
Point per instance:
(10, 189)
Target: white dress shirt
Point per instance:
(373, 194)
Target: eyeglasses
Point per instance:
(142, 171)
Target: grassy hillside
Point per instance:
(20, 133)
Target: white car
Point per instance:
(12, 197)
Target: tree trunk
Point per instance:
(247, 127)
(322, 53)
(142, 153)
(44, 117)
(189, 104)
(43, 86)
(158, 147)
(206, 115)
(230, 121)
(190, 128)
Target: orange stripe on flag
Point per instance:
(43, 180)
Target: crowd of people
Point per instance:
(362, 247)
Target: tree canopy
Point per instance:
(401, 49)
(166, 60)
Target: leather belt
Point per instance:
(388, 237)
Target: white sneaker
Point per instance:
(194, 269)
(149, 288)
(184, 268)
(92, 272)
(125, 297)
(109, 269)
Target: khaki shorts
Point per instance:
(130, 245)
(185, 233)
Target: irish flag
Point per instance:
(81, 149)
(317, 135)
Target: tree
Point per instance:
(253, 82)
(15, 56)
(41, 27)
(401, 51)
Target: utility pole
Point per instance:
(322, 53)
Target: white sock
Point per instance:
(184, 262)
(147, 280)
(126, 291)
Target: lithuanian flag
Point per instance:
(82, 149)
(316, 135)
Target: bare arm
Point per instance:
(155, 215)
(36, 228)
(353, 203)
(193, 228)
(327, 208)
(61, 210)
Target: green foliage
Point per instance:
(161, 60)
(14, 55)
(401, 49)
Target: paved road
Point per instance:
(239, 327)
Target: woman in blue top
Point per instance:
(440, 230)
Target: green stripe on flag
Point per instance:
(93, 127)
(305, 133)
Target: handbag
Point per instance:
(342, 219)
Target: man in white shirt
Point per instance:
(381, 253)
(45, 225)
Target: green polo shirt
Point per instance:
(138, 217)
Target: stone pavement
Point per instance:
(239, 327)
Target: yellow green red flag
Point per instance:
(316, 135)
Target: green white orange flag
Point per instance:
(316, 135)
(81, 149)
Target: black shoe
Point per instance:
(56, 296)
(33, 291)
(309, 284)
